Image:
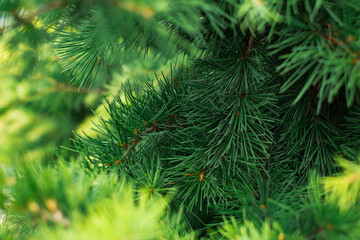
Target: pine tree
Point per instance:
(237, 139)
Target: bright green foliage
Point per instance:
(240, 132)
(330, 210)
(344, 189)
(231, 230)
(65, 202)
(83, 205)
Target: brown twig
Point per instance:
(21, 19)
(61, 87)
(201, 174)
(32, 15)
(135, 142)
(250, 45)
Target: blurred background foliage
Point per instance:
(40, 107)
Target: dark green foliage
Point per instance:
(237, 133)
(352, 133)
